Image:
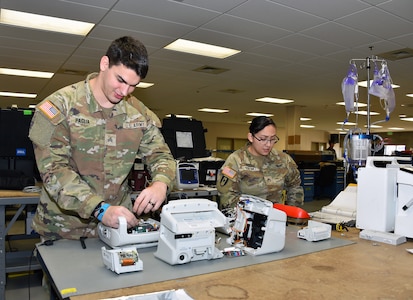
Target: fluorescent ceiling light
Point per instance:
(179, 116)
(356, 104)
(409, 95)
(374, 126)
(364, 84)
(34, 21)
(396, 128)
(409, 119)
(274, 100)
(347, 123)
(197, 48)
(214, 110)
(305, 119)
(364, 113)
(307, 126)
(341, 130)
(17, 95)
(27, 73)
(259, 114)
(144, 85)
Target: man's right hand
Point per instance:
(112, 214)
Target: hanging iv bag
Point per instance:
(349, 88)
(380, 84)
(381, 87)
(390, 102)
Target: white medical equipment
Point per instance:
(187, 231)
(125, 242)
(404, 208)
(382, 237)
(315, 231)
(259, 228)
(377, 193)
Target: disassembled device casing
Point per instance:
(146, 234)
(122, 260)
(259, 228)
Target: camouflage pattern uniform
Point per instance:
(84, 154)
(265, 177)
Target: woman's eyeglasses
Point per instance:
(264, 141)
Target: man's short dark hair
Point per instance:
(129, 52)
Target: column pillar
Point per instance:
(293, 127)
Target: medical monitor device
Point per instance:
(187, 231)
(187, 176)
(259, 228)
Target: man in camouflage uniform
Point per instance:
(259, 170)
(86, 137)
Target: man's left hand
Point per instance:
(151, 198)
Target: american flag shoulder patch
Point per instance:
(230, 173)
(49, 109)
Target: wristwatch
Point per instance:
(97, 208)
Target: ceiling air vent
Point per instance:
(72, 72)
(210, 70)
(397, 54)
(231, 91)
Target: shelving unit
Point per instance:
(18, 261)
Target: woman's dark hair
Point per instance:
(259, 123)
(129, 52)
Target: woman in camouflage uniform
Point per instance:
(259, 170)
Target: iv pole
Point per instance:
(367, 63)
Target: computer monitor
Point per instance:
(14, 133)
(392, 149)
(16, 149)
